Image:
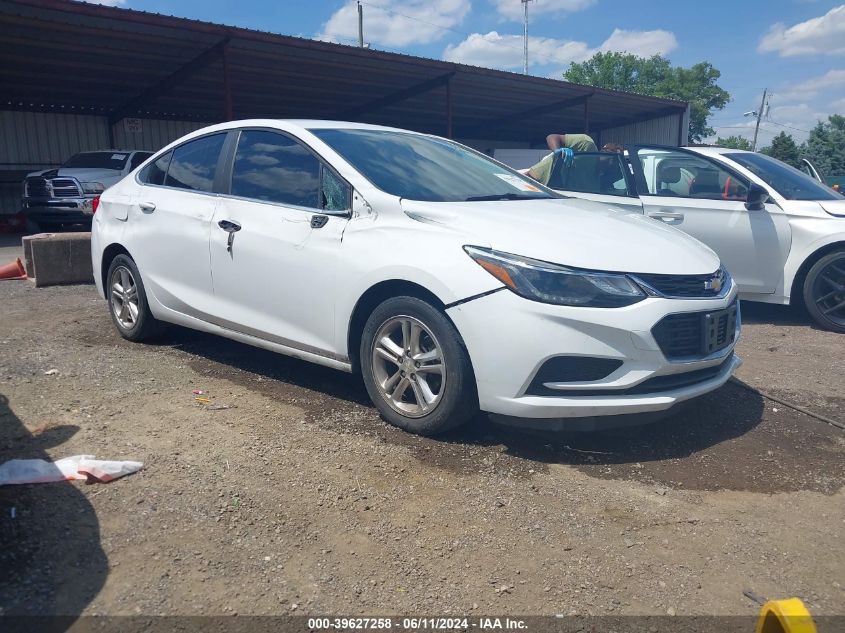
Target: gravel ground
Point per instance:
(287, 493)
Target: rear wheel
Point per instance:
(415, 367)
(824, 291)
(127, 299)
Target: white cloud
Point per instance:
(824, 35)
(512, 9)
(642, 43)
(395, 22)
(495, 50)
(832, 80)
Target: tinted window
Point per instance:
(786, 180)
(98, 160)
(139, 158)
(154, 173)
(428, 168)
(194, 164)
(335, 192)
(601, 173)
(272, 167)
(683, 175)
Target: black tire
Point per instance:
(33, 227)
(144, 326)
(824, 292)
(457, 399)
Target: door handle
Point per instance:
(147, 207)
(665, 215)
(231, 228)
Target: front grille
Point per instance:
(691, 335)
(657, 384)
(65, 188)
(39, 187)
(36, 187)
(702, 286)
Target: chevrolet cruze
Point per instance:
(450, 282)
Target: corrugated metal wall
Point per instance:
(662, 131)
(30, 141)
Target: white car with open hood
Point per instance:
(780, 233)
(450, 282)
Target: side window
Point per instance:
(272, 167)
(335, 194)
(682, 175)
(154, 173)
(137, 159)
(194, 164)
(601, 173)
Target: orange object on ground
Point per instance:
(15, 270)
(785, 616)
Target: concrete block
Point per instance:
(62, 258)
(26, 242)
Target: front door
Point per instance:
(275, 241)
(704, 198)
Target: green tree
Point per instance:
(655, 76)
(785, 149)
(825, 146)
(734, 142)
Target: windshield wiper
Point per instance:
(502, 196)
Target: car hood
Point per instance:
(572, 232)
(104, 176)
(834, 207)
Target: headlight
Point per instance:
(93, 187)
(551, 283)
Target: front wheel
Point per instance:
(824, 291)
(415, 367)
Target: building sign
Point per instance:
(132, 126)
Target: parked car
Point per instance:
(780, 233)
(64, 196)
(450, 282)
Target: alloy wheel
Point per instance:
(408, 366)
(829, 291)
(124, 297)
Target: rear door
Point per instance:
(170, 222)
(599, 176)
(705, 198)
(275, 242)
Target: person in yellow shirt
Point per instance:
(562, 145)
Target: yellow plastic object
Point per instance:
(785, 616)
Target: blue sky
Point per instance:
(795, 48)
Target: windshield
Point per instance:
(98, 160)
(789, 182)
(428, 168)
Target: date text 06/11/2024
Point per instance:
(417, 624)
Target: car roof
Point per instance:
(302, 125)
(717, 151)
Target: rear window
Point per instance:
(98, 160)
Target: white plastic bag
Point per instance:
(34, 471)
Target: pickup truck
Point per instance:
(65, 196)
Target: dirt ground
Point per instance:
(287, 493)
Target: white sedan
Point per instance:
(450, 282)
(780, 233)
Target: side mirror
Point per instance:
(756, 198)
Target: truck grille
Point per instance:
(701, 286)
(40, 187)
(693, 335)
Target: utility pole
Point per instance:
(525, 36)
(360, 25)
(759, 116)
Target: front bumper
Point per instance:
(509, 338)
(59, 210)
